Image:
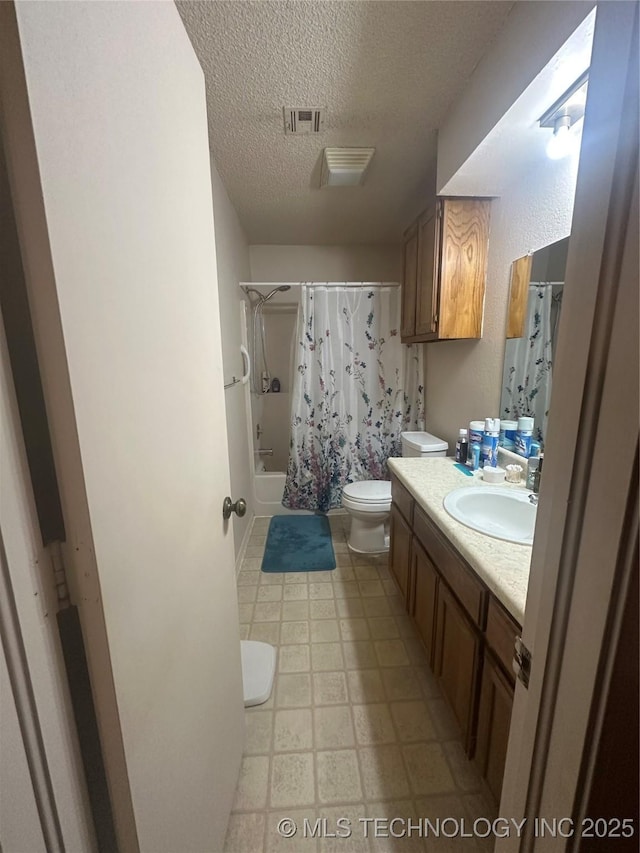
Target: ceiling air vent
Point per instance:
(345, 167)
(303, 120)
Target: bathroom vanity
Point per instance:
(466, 593)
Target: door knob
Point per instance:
(239, 507)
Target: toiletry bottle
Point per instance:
(534, 449)
(508, 435)
(523, 436)
(474, 456)
(532, 467)
(476, 434)
(537, 475)
(462, 447)
(490, 442)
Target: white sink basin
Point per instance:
(499, 512)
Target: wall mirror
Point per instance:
(535, 301)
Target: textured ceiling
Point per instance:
(386, 72)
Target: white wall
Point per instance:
(326, 263)
(463, 378)
(232, 253)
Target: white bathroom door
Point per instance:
(105, 132)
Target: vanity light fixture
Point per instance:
(563, 116)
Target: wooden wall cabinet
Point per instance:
(467, 634)
(518, 296)
(444, 273)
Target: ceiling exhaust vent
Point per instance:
(304, 120)
(345, 167)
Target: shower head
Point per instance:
(275, 290)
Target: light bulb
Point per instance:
(561, 142)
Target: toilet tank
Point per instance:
(423, 444)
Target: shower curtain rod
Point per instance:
(322, 283)
(545, 283)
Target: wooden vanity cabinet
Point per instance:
(444, 272)
(467, 634)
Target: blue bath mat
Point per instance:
(298, 543)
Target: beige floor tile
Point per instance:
(390, 588)
(408, 839)
(383, 627)
(322, 609)
(340, 546)
(332, 727)
(360, 655)
(245, 612)
(373, 724)
(369, 589)
(335, 826)
(293, 691)
(406, 626)
(247, 594)
(296, 591)
(260, 525)
(365, 686)
(270, 593)
(302, 842)
(251, 564)
(480, 805)
(390, 652)
(443, 719)
(428, 682)
(265, 632)
(354, 629)
(256, 540)
(251, 793)
(383, 775)
(343, 574)
(366, 573)
(401, 683)
(324, 631)
(344, 560)
(412, 721)
(255, 551)
(294, 658)
(296, 577)
(338, 776)
(292, 730)
(415, 650)
(440, 808)
(245, 834)
(329, 688)
(320, 590)
(346, 589)
(322, 577)
(244, 632)
(295, 611)
(294, 632)
(271, 578)
(259, 730)
(428, 769)
(248, 578)
(383, 573)
(326, 657)
(464, 772)
(350, 608)
(267, 611)
(292, 781)
(376, 606)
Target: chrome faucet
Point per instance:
(533, 499)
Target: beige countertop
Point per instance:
(503, 566)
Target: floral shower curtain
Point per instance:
(526, 386)
(355, 389)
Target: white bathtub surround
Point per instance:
(503, 566)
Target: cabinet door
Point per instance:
(425, 578)
(428, 272)
(409, 282)
(463, 267)
(456, 662)
(494, 718)
(400, 551)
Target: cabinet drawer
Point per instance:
(469, 591)
(401, 497)
(501, 634)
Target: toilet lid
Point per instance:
(368, 491)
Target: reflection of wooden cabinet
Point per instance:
(518, 296)
(445, 260)
(400, 550)
(467, 634)
(457, 662)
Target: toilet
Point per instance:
(368, 502)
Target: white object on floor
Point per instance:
(258, 671)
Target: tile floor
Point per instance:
(356, 726)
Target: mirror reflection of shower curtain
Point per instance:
(355, 389)
(526, 384)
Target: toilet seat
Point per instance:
(368, 492)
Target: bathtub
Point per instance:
(268, 488)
